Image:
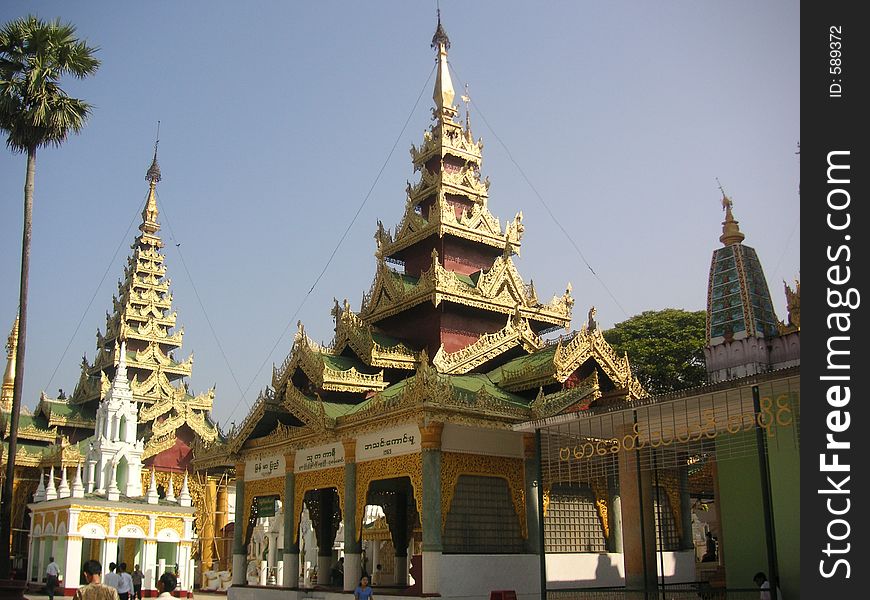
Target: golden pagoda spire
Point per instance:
(444, 93)
(731, 233)
(149, 213)
(9, 375)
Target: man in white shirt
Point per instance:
(125, 583)
(52, 571)
(112, 579)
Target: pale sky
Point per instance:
(276, 118)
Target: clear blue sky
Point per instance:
(277, 117)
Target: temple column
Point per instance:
(221, 520)
(207, 535)
(149, 566)
(326, 537)
(72, 566)
(291, 525)
(110, 552)
(430, 441)
(530, 467)
(638, 519)
(240, 562)
(352, 543)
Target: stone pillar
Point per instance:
(638, 520)
(375, 557)
(352, 544)
(72, 567)
(530, 467)
(240, 563)
(222, 517)
(326, 536)
(430, 441)
(207, 535)
(110, 550)
(183, 557)
(149, 566)
(291, 526)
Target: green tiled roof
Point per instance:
(542, 361)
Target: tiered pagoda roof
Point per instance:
(142, 319)
(449, 330)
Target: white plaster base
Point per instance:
(474, 576)
(291, 570)
(431, 565)
(351, 571)
(240, 569)
(606, 570)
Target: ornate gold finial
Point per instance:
(9, 375)
(444, 92)
(467, 99)
(731, 233)
(149, 213)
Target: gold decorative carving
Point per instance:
(552, 404)
(599, 490)
(95, 518)
(314, 480)
(487, 347)
(669, 481)
(406, 465)
(455, 464)
(176, 524)
(430, 435)
(141, 521)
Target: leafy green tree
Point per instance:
(665, 348)
(34, 112)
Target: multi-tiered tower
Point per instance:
(412, 405)
(142, 318)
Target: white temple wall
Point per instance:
(474, 576)
(471, 440)
(605, 570)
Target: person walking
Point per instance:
(137, 575)
(52, 572)
(763, 584)
(125, 582)
(112, 579)
(93, 589)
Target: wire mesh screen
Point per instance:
(673, 433)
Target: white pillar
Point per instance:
(279, 573)
(161, 567)
(72, 566)
(351, 571)
(149, 566)
(110, 552)
(431, 564)
(375, 546)
(264, 571)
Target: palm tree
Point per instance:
(34, 112)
